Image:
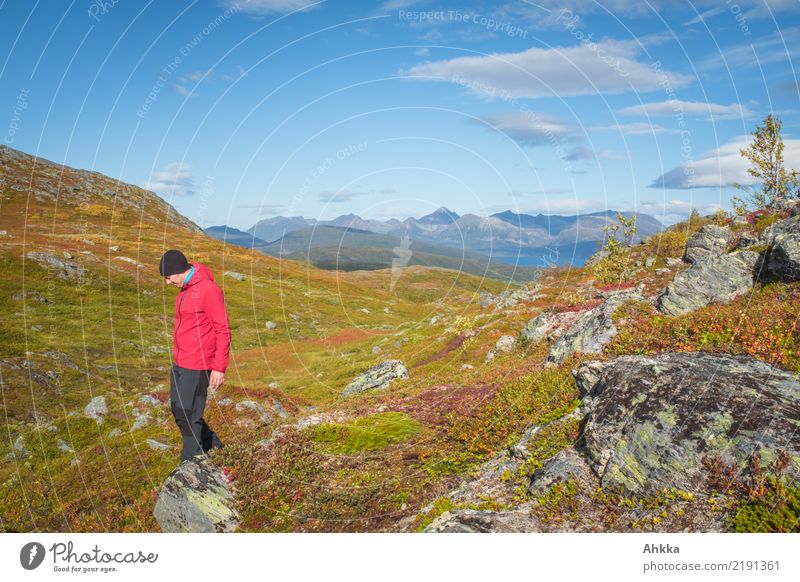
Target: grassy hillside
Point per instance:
(102, 326)
(378, 461)
(348, 249)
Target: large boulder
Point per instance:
(653, 420)
(710, 240)
(711, 280)
(196, 498)
(783, 259)
(378, 376)
(592, 329)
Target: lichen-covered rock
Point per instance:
(63, 269)
(592, 329)
(539, 327)
(477, 521)
(780, 227)
(377, 376)
(196, 498)
(566, 465)
(710, 240)
(783, 259)
(653, 420)
(714, 279)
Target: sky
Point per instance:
(236, 111)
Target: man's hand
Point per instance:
(216, 380)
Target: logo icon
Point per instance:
(31, 555)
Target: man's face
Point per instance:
(175, 280)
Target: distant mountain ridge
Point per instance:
(503, 233)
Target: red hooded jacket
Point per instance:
(202, 335)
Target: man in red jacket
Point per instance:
(201, 342)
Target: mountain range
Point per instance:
(505, 237)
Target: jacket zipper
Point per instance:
(180, 320)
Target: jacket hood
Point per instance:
(201, 273)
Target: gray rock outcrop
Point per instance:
(565, 466)
(196, 498)
(63, 269)
(783, 260)
(652, 420)
(711, 280)
(710, 240)
(592, 329)
(378, 376)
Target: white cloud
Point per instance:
(533, 128)
(672, 211)
(722, 167)
(605, 67)
(176, 180)
(270, 6)
(691, 108)
(557, 204)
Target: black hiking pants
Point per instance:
(188, 392)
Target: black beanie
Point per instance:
(172, 263)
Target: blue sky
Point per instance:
(234, 112)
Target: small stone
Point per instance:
(114, 248)
(149, 400)
(505, 343)
(20, 450)
(235, 275)
(62, 445)
(270, 325)
(141, 421)
(157, 446)
(376, 350)
(96, 408)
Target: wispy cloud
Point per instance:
(691, 108)
(722, 167)
(270, 6)
(340, 196)
(263, 209)
(604, 67)
(777, 47)
(533, 128)
(240, 72)
(182, 84)
(176, 180)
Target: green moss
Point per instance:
(778, 511)
(668, 417)
(370, 433)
